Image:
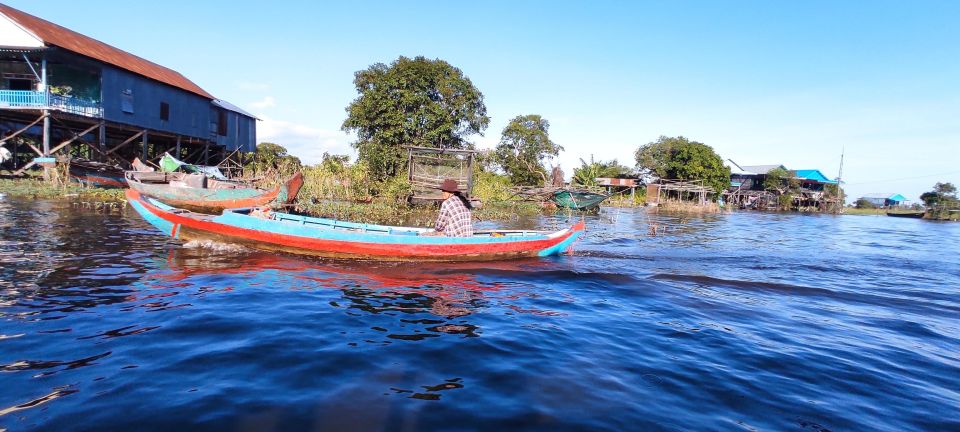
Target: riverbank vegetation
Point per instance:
(33, 187)
(942, 202)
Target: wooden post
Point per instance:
(206, 153)
(102, 141)
(144, 141)
(46, 115)
(470, 175)
(177, 152)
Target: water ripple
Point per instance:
(657, 322)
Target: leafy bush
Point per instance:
(864, 203)
(491, 187)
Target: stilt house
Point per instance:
(69, 93)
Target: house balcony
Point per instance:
(25, 99)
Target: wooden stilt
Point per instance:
(127, 141)
(144, 142)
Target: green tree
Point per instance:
(418, 102)
(943, 194)
(864, 203)
(777, 179)
(682, 159)
(524, 145)
(946, 190)
(274, 157)
(587, 173)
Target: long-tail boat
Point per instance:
(204, 194)
(284, 232)
(577, 200)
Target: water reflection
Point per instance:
(450, 292)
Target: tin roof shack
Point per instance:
(73, 94)
(619, 185)
(885, 200)
(747, 190)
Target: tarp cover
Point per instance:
(171, 164)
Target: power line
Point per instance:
(900, 179)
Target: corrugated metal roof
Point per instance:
(760, 169)
(885, 196)
(231, 107)
(814, 174)
(62, 37)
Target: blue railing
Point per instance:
(35, 99)
(22, 99)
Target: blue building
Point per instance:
(79, 95)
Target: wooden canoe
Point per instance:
(577, 200)
(914, 215)
(97, 174)
(199, 193)
(337, 239)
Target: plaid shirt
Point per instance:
(455, 219)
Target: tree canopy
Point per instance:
(587, 173)
(942, 194)
(418, 102)
(680, 158)
(524, 146)
(274, 157)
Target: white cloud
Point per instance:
(266, 102)
(306, 142)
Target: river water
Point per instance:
(742, 321)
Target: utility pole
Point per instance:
(843, 200)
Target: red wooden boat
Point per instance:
(204, 194)
(338, 239)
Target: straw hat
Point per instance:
(449, 185)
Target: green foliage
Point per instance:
(491, 187)
(864, 203)
(834, 191)
(395, 189)
(417, 102)
(524, 145)
(942, 195)
(274, 161)
(36, 188)
(680, 158)
(335, 179)
(777, 179)
(655, 156)
(785, 201)
(587, 174)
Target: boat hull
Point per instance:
(292, 237)
(913, 215)
(213, 201)
(97, 176)
(578, 200)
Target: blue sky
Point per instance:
(761, 82)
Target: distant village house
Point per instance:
(884, 200)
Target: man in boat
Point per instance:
(455, 219)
